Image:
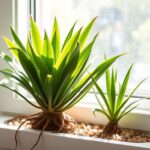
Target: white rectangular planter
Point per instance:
(59, 141)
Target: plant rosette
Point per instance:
(54, 74)
(115, 105)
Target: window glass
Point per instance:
(124, 26)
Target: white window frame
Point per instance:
(82, 112)
(8, 101)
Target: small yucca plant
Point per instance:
(115, 105)
(52, 73)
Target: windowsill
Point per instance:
(59, 141)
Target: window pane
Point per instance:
(124, 26)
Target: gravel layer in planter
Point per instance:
(95, 130)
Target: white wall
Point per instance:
(5, 21)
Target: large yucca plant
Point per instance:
(53, 73)
(115, 105)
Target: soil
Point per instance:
(93, 130)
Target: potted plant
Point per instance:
(52, 73)
(115, 104)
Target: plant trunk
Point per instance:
(111, 128)
(56, 121)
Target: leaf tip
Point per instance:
(3, 37)
(96, 36)
(95, 18)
